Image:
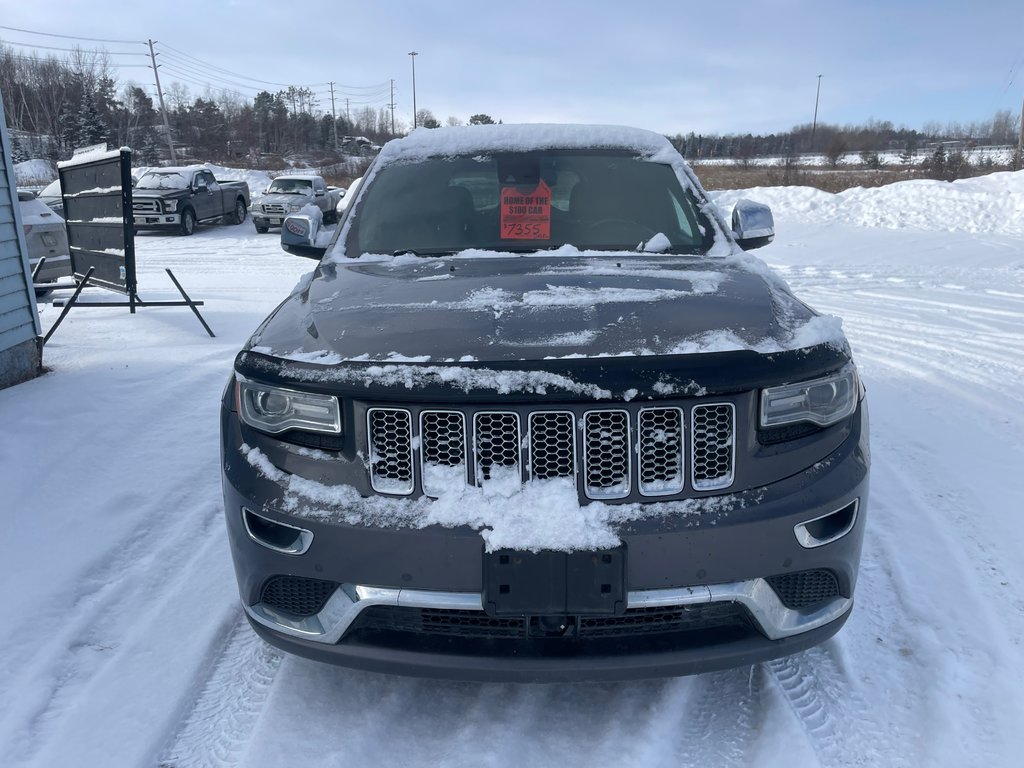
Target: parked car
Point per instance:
(51, 195)
(45, 235)
(536, 416)
(288, 194)
(179, 198)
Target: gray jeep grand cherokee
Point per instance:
(537, 416)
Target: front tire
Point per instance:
(188, 221)
(261, 230)
(239, 217)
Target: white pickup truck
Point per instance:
(289, 194)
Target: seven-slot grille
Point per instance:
(613, 450)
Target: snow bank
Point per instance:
(34, 172)
(992, 204)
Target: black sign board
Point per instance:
(97, 191)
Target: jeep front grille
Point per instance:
(612, 452)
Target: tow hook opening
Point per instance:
(827, 528)
(279, 537)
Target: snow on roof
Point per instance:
(298, 176)
(469, 139)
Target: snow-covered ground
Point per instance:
(123, 643)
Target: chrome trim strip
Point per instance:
(808, 541)
(348, 601)
(302, 544)
(773, 618)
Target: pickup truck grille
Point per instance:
(273, 209)
(609, 453)
(146, 206)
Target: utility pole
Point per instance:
(413, 55)
(334, 117)
(1020, 136)
(348, 115)
(163, 109)
(814, 125)
(392, 105)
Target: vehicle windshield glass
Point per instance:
(291, 187)
(163, 180)
(528, 201)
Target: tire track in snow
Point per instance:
(216, 730)
(82, 638)
(831, 711)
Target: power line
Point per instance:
(70, 50)
(235, 74)
(71, 37)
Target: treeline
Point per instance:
(834, 141)
(57, 104)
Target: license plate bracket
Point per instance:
(590, 583)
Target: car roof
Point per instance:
(453, 141)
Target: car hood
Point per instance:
(502, 309)
(284, 199)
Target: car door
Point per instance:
(207, 195)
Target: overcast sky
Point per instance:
(671, 66)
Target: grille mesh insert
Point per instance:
(713, 446)
(661, 451)
(297, 595)
(443, 446)
(552, 449)
(496, 443)
(805, 588)
(606, 454)
(390, 450)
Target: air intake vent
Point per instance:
(297, 595)
(552, 445)
(496, 446)
(805, 588)
(443, 449)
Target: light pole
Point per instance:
(814, 125)
(413, 55)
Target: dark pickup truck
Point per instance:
(179, 198)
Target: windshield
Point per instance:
(527, 202)
(163, 180)
(291, 187)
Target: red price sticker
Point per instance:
(526, 215)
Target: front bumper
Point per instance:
(157, 220)
(685, 563)
(54, 267)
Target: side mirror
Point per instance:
(752, 224)
(341, 193)
(298, 236)
(320, 193)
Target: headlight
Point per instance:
(276, 409)
(171, 205)
(293, 207)
(255, 207)
(821, 401)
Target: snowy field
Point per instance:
(123, 642)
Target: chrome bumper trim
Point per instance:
(773, 618)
